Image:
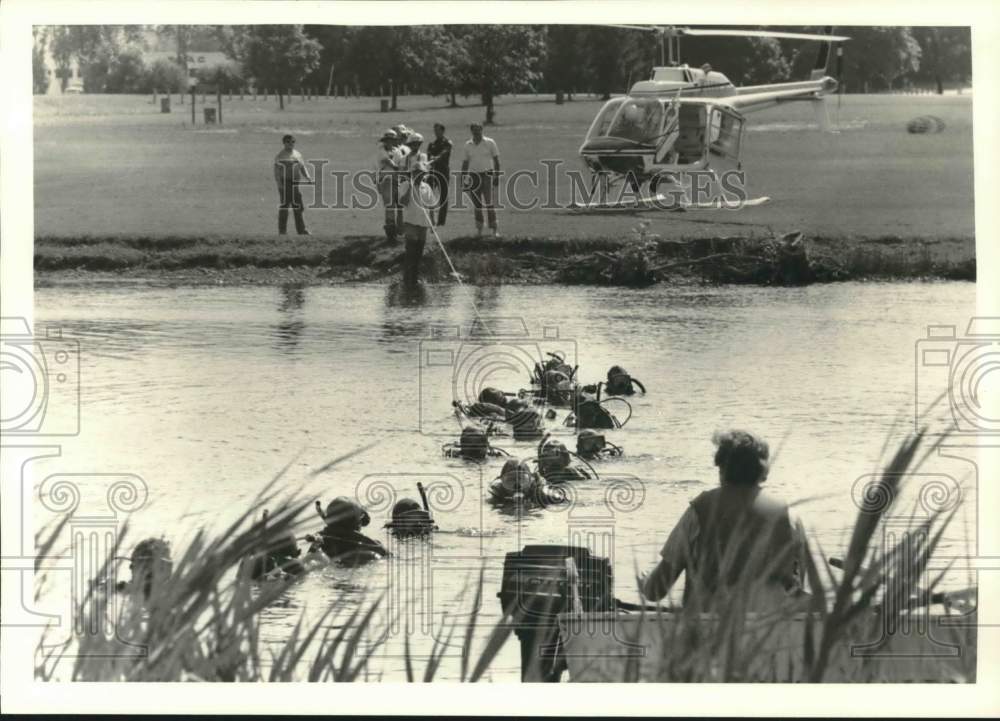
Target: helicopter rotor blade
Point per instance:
(647, 28)
(761, 34)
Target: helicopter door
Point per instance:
(726, 133)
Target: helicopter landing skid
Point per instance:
(662, 202)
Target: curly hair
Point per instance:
(742, 457)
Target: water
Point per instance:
(206, 393)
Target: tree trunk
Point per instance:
(940, 85)
(452, 103)
(559, 97)
(488, 101)
(281, 98)
(395, 92)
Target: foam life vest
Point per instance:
(750, 534)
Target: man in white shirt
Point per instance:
(290, 171)
(481, 171)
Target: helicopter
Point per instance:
(682, 117)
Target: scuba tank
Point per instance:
(472, 445)
(591, 412)
(493, 396)
(554, 463)
(340, 538)
(591, 445)
(526, 424)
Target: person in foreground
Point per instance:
(735, 542)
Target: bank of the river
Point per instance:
(637, 259)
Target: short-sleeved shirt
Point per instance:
(289, 166)
(480, 155)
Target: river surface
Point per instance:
(207, 393)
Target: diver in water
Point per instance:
(526, 422)
(554, 461)
(473, 445)
(591, 446)
(590, 413)
(555, 378)
(341, 538)
(620, 383)
(410, 519)
(279, 556)
(519, 485)
(151, 568)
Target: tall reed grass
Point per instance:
(204, 623)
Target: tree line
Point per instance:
(483, 60)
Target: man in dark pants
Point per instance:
(481, 171)
(439, 152)
(289, 171)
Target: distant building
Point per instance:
(204, 53)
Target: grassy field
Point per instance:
(114, 166)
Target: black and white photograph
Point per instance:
(500, 343)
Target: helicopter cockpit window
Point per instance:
(601, 124)
(639, 120)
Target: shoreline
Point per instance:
(637, 260)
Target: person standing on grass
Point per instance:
(735, 543)
(418, 202)
(439, 151)
(481, 175)
(387, 163)
(290, 171)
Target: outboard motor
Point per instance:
(537, 585)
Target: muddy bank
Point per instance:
(635, 260)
